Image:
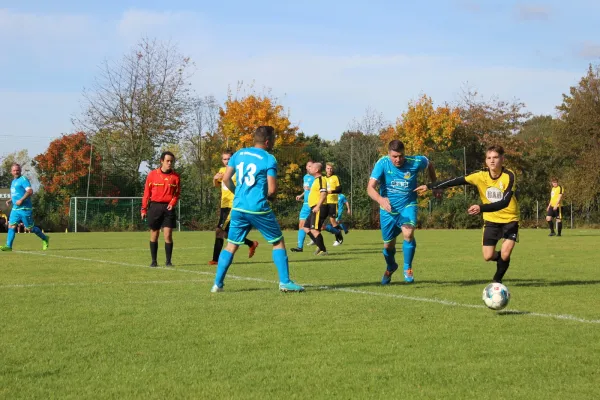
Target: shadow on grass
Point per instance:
(474, 282)
(510, 312)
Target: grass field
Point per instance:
(89, 319)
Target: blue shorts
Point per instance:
(242, 222)
(305, 212)
(23, 216)
(391, 224)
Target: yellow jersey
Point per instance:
(319, 185)
(554, 193)
(332, 183)
(493, 190)
(226, 194)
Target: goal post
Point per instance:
(109, 214)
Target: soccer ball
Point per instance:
(496, 296)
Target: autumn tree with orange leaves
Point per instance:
(239, 118)
(63, 169)
(423, 128)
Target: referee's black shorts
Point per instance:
(316, 220)
(494, 231)
(159, 217)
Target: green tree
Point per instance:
(137, 105)
(579, 134)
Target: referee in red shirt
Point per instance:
(161, 193)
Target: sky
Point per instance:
(326, 61)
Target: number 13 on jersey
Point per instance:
(247, 175)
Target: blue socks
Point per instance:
(390, 259)
(409, 252)
(301, 237)
(225, 259)
(39, 233)
(11, 236)
(280, 259)
(329, 228)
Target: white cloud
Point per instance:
(325, 92)
(37, 26)
(590, 50)
(134, 23)
(50, 40)
(469, 5)
(533, 12)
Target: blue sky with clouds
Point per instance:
(327, 61)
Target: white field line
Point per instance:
(58, 284)
(565, 317)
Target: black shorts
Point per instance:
(315, 220)
(224, 219)
(555, 213)
(332, 210)
(159, 217)
(494, 231)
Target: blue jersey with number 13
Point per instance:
(252, 166)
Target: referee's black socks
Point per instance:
(168, 252)
(153, 250)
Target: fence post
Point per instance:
(75, 228)
(571, 215)
(132, 221)
(179, 216)
(537, 214)
(351, 171)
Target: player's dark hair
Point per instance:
(554, 179)
(166, 153)
(396, 145)
(498, 149)
(264, 133)
(228, 151)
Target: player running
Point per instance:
(334, 187)
(256, 171)
(396, 175)
(340, 210)
(497, 187)
(305, 211)
(22, 210)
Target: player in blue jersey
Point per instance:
(305, 211)
(256, 171)
(20, 193)
(396, 175)
(342, 200)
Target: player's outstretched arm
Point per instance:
(457, 181)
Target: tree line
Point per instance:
(144, 104)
